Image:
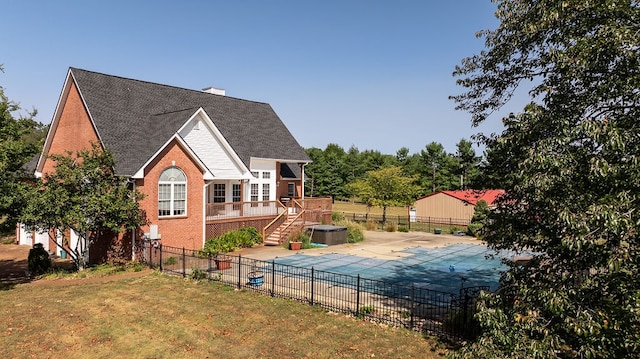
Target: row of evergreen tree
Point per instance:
(333, 168)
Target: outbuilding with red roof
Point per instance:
(453, 206)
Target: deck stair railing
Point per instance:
(293, 220)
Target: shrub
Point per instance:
(230, 241)
(466, 327)
(170, 261)
(371, 226)
(337, 217)
(197, 274)
(391, 227)
(354, 232)
(38, 260)
(474, 229)
(403, 229)
(299, 235)
(364, 311)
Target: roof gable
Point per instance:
(474, 196)
(471, 196)
(134, 119)
(215, 152)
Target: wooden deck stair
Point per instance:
(278, 236)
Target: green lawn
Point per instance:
(158, 316)
(349, 207)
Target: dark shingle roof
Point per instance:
(135, 118)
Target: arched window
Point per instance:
(172, 193)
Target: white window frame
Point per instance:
(177, 179)
(217, 189)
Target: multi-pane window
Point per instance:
(266, 175)
(172, 193)
(265, 191)
(219, 193)
(236, 192)
(291, 189)
(255, 174)
(254, 192)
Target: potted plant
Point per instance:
(222, 261)
(295, 245)
(299, 239)
(217, 247)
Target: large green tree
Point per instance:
(385, 187)
(570, 163)
(85, 195)
(468, 164)
(20, 140)
(439, 168)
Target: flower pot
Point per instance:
(223, 263)
(295, 246)
(256, 278)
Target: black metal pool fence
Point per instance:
(413, 307)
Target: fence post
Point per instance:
(413, 304)
(239, 270)
(464, 314)
(184, 263)
(312, 285)
(150, 256)
(358, 296)
(273, 276)
(160, 248)
(209, 268)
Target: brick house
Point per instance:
(206, 162)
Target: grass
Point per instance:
(98, 271)
(349, 207)
(359, 208)
(158, 316)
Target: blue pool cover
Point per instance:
(443, 269)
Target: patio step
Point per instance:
(274, 238)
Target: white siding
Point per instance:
(210, 150)
(264, 166)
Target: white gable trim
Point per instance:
(251, 159)
(207, 174)
(66, 88)
(201, 114)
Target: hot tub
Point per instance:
(329, 235)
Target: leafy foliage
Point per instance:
(299, 235)
(20, 140)
(244, 237)
(385, 187)
(85, 195)
(38, 260)
(480, 216)
(333, 170)
(570, 166)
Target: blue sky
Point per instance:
(371, 74)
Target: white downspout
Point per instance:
(133, 230)
(204, 212)
(302, 178)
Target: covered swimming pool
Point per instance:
(444, 269)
